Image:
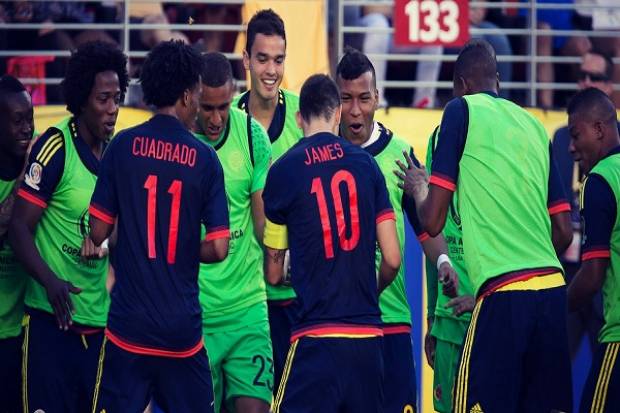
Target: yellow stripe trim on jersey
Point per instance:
(460, 397)
(582, 191)
(51, 153)
(47, 145)
(542, 282)
(99, 374)
(285, 376)
(26, 324)
(602, 384)
(276, 236)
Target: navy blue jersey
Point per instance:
(162, 184)
(330, 195)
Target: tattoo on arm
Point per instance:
(277, 256)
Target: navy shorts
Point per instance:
(399, 384)
(515, 357)
(281, 317)
(10, 374)
(332, 375)
(126, 382)
(602, 391)
(60, 366)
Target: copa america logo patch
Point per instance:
(33, 177)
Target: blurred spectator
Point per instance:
(595, 71)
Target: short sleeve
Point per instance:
(408, 205)
(382, 201)
(261, 151)
(277, 195)
(104, 202)
(598, 212)
(450, 145)
(556, 201)
(214, 203)
(45, 168)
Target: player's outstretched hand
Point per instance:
(413, 179)
(90, 251)
(449, 279)
(462, 304)
(430, 343)
(58, 296)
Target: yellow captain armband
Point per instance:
(276, 236)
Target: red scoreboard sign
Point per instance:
(431, 22)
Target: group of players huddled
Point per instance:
(133, 270)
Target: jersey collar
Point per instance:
(385, 136)
(85, 154)
(279, 117)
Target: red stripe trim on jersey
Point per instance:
(557, 207)
(423, 237)
(100, 214)
(396, 329)
(590, 255)
(33, 199)
(385, 215)
(347, 330)
(222, 233)
(443, 182)
(136, 349)
(498, 282)
(281, 303)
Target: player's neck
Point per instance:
(95, 144)
(318, 126)
(262, 110)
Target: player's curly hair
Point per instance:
(85, 63)
(170, 69)
(266, 22)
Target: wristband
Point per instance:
(441, 259)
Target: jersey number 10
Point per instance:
(173, 230)
(347, 244)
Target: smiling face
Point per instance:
(214, 109)
(359, 103)
(586, 142)
(266, 65)
(16, 124)
(101, 109)
(592, 73)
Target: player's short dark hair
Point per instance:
(476, 61)
(354, 64)
(265, 22)
(169, 70)
(84, 64)
(594, 105)
(319, 97)
(609, 63)
(216, 70)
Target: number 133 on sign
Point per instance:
(431, 22)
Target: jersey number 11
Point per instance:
(173, 230)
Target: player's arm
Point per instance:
(214, 247)
(599, 212)
(433, 196)
(261, 150)
(276, 244)
(559, 209)
(104, 202)
(43, 173)
(390, 252)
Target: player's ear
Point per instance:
(246, 60)
(299, 119)
(337, 116)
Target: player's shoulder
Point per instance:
(240, 101)
(48, 145)
(290, 99)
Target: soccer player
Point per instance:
(595, 144)
(274, 109)
(497, 157)
(330, 198)
(447, 318)
(16, 129)
(355, 76)
(159, 183)
(66, 298)
(232, 292)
